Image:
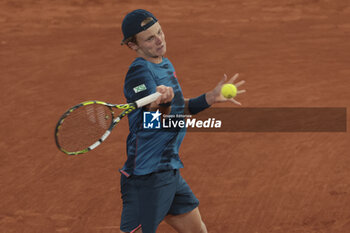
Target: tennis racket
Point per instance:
(86, 125)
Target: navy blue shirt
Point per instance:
(152, 150)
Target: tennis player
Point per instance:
(151, 185)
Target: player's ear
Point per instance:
(132, 45)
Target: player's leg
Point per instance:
(156, 194)
(130, 214)
(150, 203)
(187, 223)
(184, 214)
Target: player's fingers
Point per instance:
(235, 101)
(159, 100)
(233, 78)
(170, 94)
(223, 80)
(167, 94)
(161, 89)
(241, 91)
(240, 83)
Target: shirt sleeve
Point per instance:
(139, 82)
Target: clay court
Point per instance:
(292, 53)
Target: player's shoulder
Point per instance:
(138, 67)
(138, 63)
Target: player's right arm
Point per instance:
(163, 101)
(139, 82)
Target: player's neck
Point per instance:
(153, 59)
(156, 60)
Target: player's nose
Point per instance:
(159, 40)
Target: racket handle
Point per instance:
(147, 100)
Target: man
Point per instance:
(151, 185)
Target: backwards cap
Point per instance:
(132, 23)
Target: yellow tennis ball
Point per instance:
(229, 91)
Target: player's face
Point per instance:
(151, 43)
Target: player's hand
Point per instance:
(167, 94)
(215, 95)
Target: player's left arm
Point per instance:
(198, 104)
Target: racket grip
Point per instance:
(147, 100)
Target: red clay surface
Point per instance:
(292, 53)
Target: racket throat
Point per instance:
(96, 144)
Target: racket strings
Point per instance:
(84, 126)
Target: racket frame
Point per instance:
(128, 108)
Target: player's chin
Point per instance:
(161, 51)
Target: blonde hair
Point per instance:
(146, 21)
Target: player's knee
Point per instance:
(197, 228)
(203, 228)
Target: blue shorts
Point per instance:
(147, 199)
